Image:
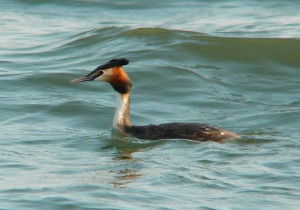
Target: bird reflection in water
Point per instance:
(127, 175)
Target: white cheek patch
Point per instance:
(105, 76)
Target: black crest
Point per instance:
(110, 64)
(113, 63)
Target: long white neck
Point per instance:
(121, 118)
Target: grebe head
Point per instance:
(111, 72)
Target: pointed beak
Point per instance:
(83, 79)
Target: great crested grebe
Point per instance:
(113, 73)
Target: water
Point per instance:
(229, 63)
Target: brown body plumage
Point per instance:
(192, 131)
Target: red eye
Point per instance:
(99, 73)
